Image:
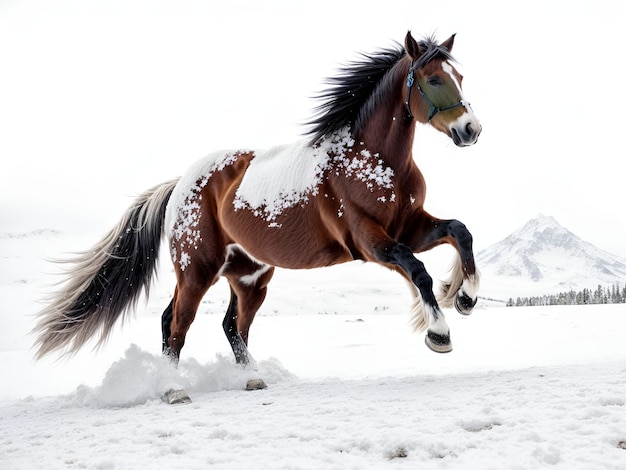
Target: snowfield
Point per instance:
(350, 385)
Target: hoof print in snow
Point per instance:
(478, 426)
(398, 453)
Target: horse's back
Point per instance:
(269, 202)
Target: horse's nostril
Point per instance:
(468, 129)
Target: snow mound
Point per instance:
(140, 377)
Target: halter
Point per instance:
(433, 109)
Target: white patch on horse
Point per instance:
(287, 176)
(251, 279)
(437, 322)
(232, 250)
(182, 216)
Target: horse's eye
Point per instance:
(434, 81)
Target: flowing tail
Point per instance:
(105, 282)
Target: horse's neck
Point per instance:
(390, 133)
(388, 130)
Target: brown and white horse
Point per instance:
(351, 191)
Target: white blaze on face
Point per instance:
(445, 65)
(468, 119)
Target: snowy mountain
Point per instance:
(543, 257)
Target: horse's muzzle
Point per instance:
(466, 133)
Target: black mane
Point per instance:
(358, 86)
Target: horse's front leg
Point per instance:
(248, 281)
(461, 289)
(438, 333)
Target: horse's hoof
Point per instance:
(255, 384)
(176, 397)
(463, 303)
(438, 343)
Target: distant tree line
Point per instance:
(612, 294)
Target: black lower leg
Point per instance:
(230, 329)
(452, 228)
(166, 325)
(401, 255)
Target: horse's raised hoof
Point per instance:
(438, 343)
(255, 384)
(463, 303)
(176, 397)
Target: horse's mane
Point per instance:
(358, 87)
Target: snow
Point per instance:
(539, 224)
(350, 385)
(280, 178)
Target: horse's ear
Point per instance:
(448, 43)
(412, 47)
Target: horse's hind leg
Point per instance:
(461, 290)
(245, 301)
(248, 281)
(192, 284)
(238, 345)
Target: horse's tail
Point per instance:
(105, 282)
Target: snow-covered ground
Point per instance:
(350, 386)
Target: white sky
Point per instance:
(100, 100)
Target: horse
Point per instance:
(348, 190)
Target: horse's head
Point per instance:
(438, 98)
